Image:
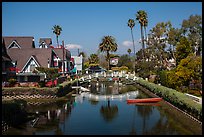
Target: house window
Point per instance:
(55, 64)
(32, 66)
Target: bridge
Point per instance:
(99, 97)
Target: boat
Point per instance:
(144, 100)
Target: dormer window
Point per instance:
(14, 44)
(43, 45)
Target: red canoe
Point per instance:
(144, 100)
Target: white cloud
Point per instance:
(127, 43)
(73, 46)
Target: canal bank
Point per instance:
(174, 98)
(38, 94)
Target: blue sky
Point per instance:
(85, 23)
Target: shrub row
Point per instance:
(174, 97)
(59, 91)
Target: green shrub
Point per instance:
(12, 82)
(41, 83)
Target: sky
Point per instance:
(84, 24)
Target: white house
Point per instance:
(78, 63)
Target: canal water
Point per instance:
(104, 111)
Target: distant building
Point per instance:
(78, 64)
(95, 69)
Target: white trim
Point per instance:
(40, 45)
(31, 57)
(16, 44)
(55, 53)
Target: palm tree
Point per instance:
(129, 51)
(131, 24)
(108, 45)
(141, 16)
(57, 31)
(93, 59)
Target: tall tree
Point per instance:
(157, 40)
(141, 16)
(192, 29)
(183, 49)
(174, 36)
(131, 24)
(57, 31)
(108, 45)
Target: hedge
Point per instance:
(174, 97)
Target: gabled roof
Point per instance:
(32, 57)
(23, 42)
(59, 52)
(47, 41)
(5, 56)
(14, 44)
(22, 56)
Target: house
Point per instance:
(58, 59)
(78, 63)
(95, 69)
(25, 57)
(45, 42)
(7, 71)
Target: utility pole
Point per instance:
(78, 51)
(63, 58)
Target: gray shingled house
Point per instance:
(25, 57)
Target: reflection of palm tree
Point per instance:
(109, 112)
(133, 131)
(145, 112)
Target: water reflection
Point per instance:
(133, 130)
(109, 112)
(47, 118)
(91, 116)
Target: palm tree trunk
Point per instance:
(108, 103)
(145, 35)
(133, 42)
(133, 48)
(57, 41)
(142, 39)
